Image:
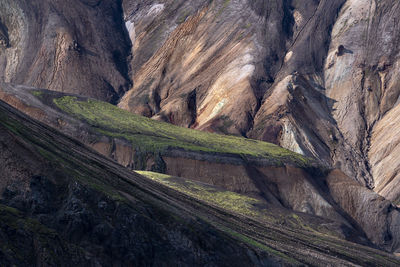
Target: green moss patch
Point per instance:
(224, 199)
(154, 136)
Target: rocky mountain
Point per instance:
(316, 77)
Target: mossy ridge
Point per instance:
(236, 203)
(227, 200)
(155, 136)
(223, 199)
(245, 205)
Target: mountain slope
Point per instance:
(89, 190)
(283, 179)
(107, 214)
(317, 77)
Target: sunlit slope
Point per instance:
(156, 136)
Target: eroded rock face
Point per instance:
(210, 66)
(316, 77)
(319, 77)
(77, 47)
(363, 83)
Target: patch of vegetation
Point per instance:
(235, 202)
(300, 223)
(154, 136)
(37, 93)
(222, 198)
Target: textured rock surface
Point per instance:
(78, 47)
(317, 77)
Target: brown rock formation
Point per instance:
(317, 77)
(77, 47)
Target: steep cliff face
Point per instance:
(78, 47)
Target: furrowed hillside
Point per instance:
(68, 200)
(280, 178)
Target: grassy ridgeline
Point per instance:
(154, 136)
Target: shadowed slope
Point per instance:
(83, 184)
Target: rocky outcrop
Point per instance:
(78, 47)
